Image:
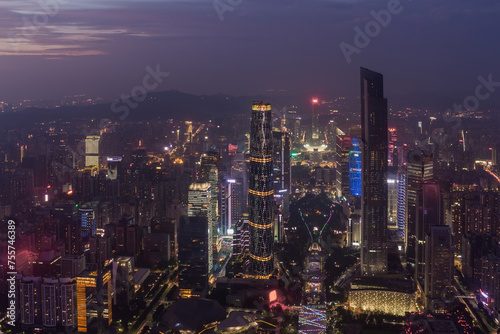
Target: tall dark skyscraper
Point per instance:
(261, 193)
(194, 256)
(374, 167)
(429, 213)
(438, 267)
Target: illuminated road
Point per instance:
(146, 316)
(492, 173)
(477, 316)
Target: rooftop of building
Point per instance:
(382, 283)
(190, 315)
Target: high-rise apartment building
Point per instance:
(47, 303)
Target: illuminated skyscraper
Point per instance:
(342, 157)
(392, 198)
(94, 300)
(239, 189)
(208, 160)
(393, 150)
(419, 170)
(87, 222)
(355, 168)
(200, 205)
(213, 179)
(225, 206)
(92, 151)
(277, 160)
(261, 193)
(374, 180)
(287, 162)
(315, 125)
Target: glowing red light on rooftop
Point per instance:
(315, 100)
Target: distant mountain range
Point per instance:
(184, 106)
(166, 105)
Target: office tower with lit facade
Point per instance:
(87, 222)
(225, 207)
(200, 205)
(393, 149)
(92, 151)
(241, 239)
(419, 170)
(342, 156)
(401, 213)
(94, 300)
(392, 198)
(355, 168)
(239, 189)
(287, 162)
(209, 172)
(374, 180)
(261, 193)
(315, 133)
(277, 160)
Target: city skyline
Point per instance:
(232, 166)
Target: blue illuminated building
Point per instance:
(87, 222)
(355, 168)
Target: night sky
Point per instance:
(431, 52)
